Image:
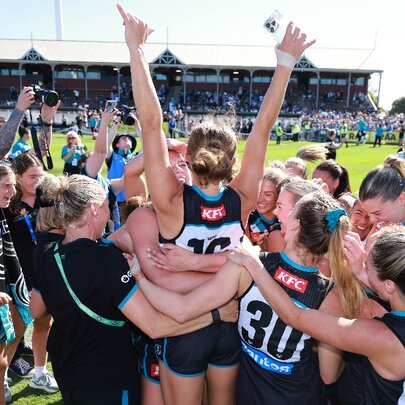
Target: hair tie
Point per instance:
(332, 218)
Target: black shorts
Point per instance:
(101, 396)
(189, 355)
(148, 361)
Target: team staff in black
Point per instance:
(91, 294)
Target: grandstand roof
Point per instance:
(191, 55)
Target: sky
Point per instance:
(334, 24)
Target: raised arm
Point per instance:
(45, 137)
(165, 190)
(247, 182)
(7, 133)
(134, 183)
(96, 160)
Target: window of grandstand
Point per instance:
(12, 72)
(341, 82)
(328, 81)
(359, 81)
(293, 80)
(261, 79)
(69, 74)
(313, 80)
(93, 75)
(160, 76)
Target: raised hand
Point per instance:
(136, 30)
(294, 42)
(25, 99)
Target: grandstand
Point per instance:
(194, 77)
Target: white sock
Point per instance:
(39, 370)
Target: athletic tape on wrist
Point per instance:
(285, 59)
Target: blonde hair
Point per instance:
(299, 164)
(73, 195)
(312, 153)
(76, 135)
(316, 237)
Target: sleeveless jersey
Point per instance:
(211, 224)
(378, 390)
(258, 224)
(278, 364)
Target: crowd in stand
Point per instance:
(177, 279)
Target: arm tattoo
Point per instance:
(7, 133)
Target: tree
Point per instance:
(398, 106)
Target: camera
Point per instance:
(49, 97)
(127, 115)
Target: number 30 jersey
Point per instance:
(211, 224)
(278, 364)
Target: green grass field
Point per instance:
(357, 159)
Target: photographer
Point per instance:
(7, 133)
(26, 98)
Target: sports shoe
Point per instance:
(21, 368)
(26, 349)
(7, 393)
(46, 382)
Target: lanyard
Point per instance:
(83, 307)
(27, 220)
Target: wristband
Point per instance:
(285, 59)
(45, 124)
(216, 316)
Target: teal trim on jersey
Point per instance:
(145, 374)
(107, 241)
(213, 227)
(128, 296)
(224, 366)
(403, 223)
(398, 313)
(299, 304)
(174, 372)
(209, 197)
(37, 291)
(268, 221)
(296, 265)
(124, 400)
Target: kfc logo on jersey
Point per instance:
(291, 281)
(212, 213)
(154, 370)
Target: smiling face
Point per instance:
(285, 204)
(360, 220)
(385, 211)
(179, 166)
(266, 203)
(30, 179)
(7, 189)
